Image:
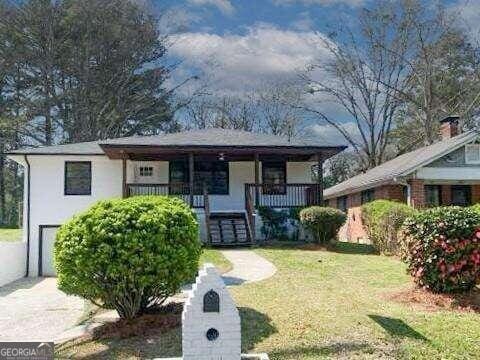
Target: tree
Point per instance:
(268, 109)
(442, 79)
(340, 168)
(362, 74)
(276, 105)
(74, 70)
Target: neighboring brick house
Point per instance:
(445, 173)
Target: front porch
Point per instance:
(225, 175)
(229, 227)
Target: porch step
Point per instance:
(229, 229)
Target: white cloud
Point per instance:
(352, 3)
(331, 134)
(235, 63)
(304, 22)
(467, 12)
(225, 6)
(177, 20)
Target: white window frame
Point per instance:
(470, 147)
(146, 168)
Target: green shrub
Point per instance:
(128, 254)
(322, 222)
(382, 220)
(476, 208)
(442, 248)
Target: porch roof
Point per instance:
(205, 141)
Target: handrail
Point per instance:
(286, 195)
(180, 190)
(250, 209)
(206, 205)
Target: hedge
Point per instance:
(128, 254)
(323, 222)
(442, 248)
(382, 219)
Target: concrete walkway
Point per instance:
(247, 267)
(33, 309)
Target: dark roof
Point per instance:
(211, 137)
(400, 166)
(218, 137)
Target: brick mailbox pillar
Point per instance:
(210, 320)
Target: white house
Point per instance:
(223, 174)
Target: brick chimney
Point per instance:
(449, 127)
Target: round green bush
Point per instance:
(322, 222)
(128, 254)
(382, 220)
(442, 248)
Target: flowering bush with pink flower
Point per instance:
(442, 248)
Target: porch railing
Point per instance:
(283, 195)
(180, 190)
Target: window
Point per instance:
(472, 154)
(367, 196)
(146, 171)
(433, 195)
(274, 173)
(342, 203)
(214, 174)
(78, 178)
(461, 195)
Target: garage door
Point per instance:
(47, 239)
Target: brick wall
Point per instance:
(446, 194)
(390, 192)
(417, 192)
(475, 194)
(353, 230)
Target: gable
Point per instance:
(456, 158)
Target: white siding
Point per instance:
(241, 173)
(49, 205)
(299, 172)
(449, 173)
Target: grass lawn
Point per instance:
(216, 258)
(322, 305)
(10, 234)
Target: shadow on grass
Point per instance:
(397, 327)
(152, 344)
(165, 344)
(339, 247)
(340, 348)
(351, 248)
(256, 327)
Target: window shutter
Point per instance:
(472, 153)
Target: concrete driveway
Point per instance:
(33, 309)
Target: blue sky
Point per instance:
(239, 45)
(235, 16)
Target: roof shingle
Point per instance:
(400, 166)
(203, 137)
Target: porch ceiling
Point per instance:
(231, 153)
